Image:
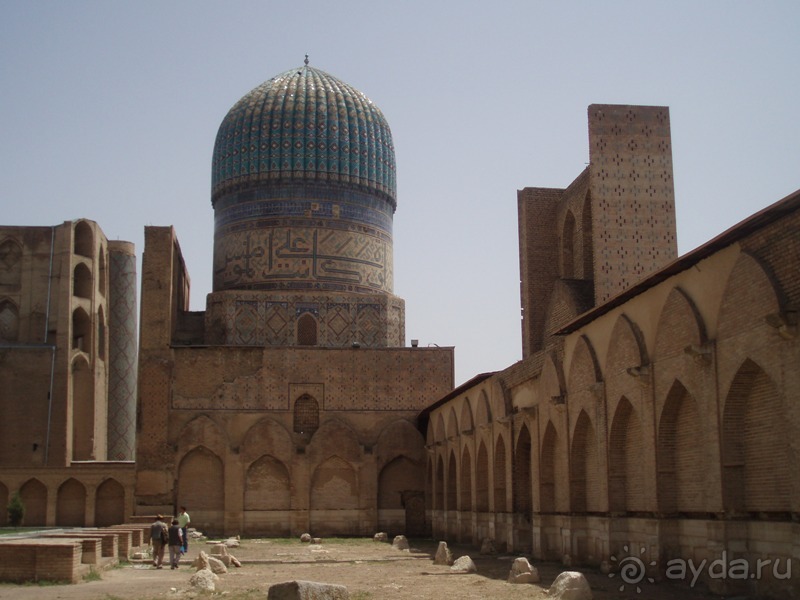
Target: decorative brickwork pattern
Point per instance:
(633, 199)
(123, 333)
(246, 318)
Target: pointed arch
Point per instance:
(9, 321)
(452, 483)
(81, 330)
(201, 484)
(679, 325)
(306, 414)
(521, 485)
(34, 497)
(109, 505)
(466, 480)
(626, 488)
(267, 437)
(584, 467)
(483, 412)
(548, 470)
(438, 500)
(202, 431)
(399, 475)
(439, 432)
(466, 417)
(347, 444)
(82, 282)
(482, 479)
(333, 498)
(756, 457)
(307, 330)
(267, 487)
(500, 502)
(83, 410)
(10, 263)
(83, 239)
(399, 438)
(680, 454)
(451, 430)
(71, 504)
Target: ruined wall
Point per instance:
(664, 427)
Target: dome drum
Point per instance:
(303, 189)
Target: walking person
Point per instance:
(184, 521)
(175, 543)
(159, 537)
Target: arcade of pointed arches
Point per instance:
(645, 434)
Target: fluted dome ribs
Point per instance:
(304, 124)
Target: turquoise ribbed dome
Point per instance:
(304, 124)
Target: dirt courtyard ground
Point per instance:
(370, 570)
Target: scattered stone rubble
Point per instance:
(570, 585)
(523, 572)
(444, 556)
(464, 564)
(401, 543)
(307, 590)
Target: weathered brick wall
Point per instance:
(538, 260)
(41, 560)
(632, 194)
(688, 394)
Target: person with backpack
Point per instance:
(159, 538)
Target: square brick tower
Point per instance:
(611, 227)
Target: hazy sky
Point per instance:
(109, 110)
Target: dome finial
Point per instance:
(306, 60)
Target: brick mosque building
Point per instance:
(655, 407)
(655, 414)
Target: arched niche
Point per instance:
(201, 485)
(267, 437)
(83, 241)
(9, 321)
(83, 410)
(71, 504)
(34, 496)
(109, 508)
(82, 282)
(680, 454)
(398, 438)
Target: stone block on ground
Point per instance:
(400, 542)
(570, 585)
(444, 556)
(219, 550)
(217, 566)
(488, 547)
(464, 564)
(316, 541)
(523, 572)
(204, 579)
(381, 536)
(201, 562)
(305, 538)
(307, 590)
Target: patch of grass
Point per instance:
(360, 595)
(92, 575)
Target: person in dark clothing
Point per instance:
(158, 538)
(175, 542)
